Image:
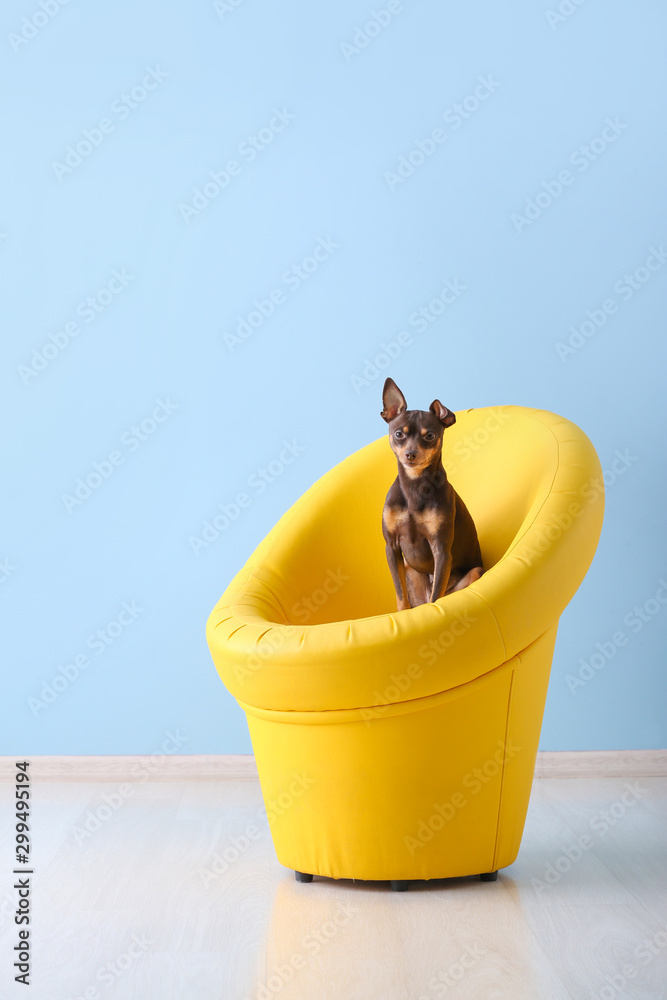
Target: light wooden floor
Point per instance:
(136, 909)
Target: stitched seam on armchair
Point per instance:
(409, 705)
(491, 612)
(502, 777)
(241, 594)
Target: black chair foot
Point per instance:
(302, 877)
(399, 885)
(489, 877)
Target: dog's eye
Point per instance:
(399, 435)
(429, 436)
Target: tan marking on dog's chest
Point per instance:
(432, 520)
(395, 517)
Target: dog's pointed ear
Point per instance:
(393, 400)
(444, 415)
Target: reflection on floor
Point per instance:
(161, 890)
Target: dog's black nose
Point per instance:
(411, 454)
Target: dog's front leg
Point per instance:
(397, 569)
(442, 558)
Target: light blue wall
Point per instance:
(347, 116)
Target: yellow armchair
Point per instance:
(401, 745)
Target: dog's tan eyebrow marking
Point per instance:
(406, 430)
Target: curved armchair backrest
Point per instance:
(532, 482)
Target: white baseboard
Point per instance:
(241, 767)
(155, 767)
(601, 764)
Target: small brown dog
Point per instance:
(431, 541)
